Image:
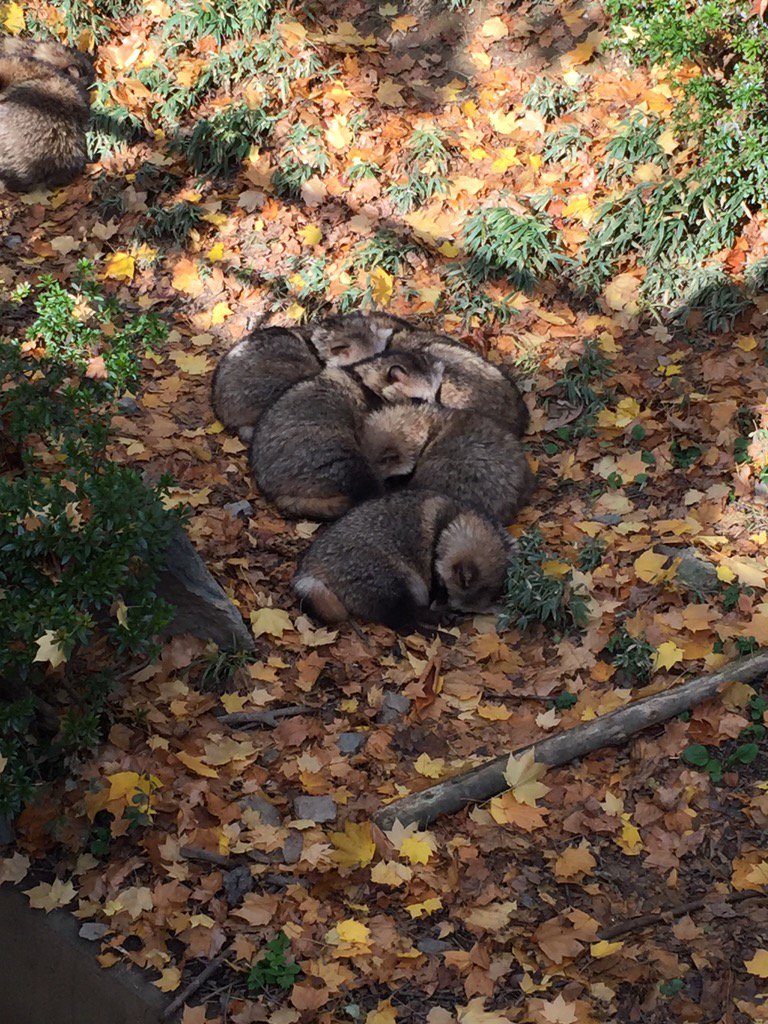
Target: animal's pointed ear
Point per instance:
(466, 573)
(396, 374)
(382, 335)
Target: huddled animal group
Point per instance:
(44, 110)
(409, 436)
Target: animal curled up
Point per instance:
(393, 559)
(44, 111)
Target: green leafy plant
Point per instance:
(224, 20)
(169, 223)
(81, 535)
(591, 554)
(635, 143)
(274, 969)
(303, 157)
(582, 386)
(551, 98)
(219, 144)
(111, 125)
(565, 143)
(633, 655)
(524, 248)
(426, 164)
(532, 595)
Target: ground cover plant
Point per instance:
(572, 192)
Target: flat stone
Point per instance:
(237, 883)
(315, 808)
(93, 931)
(239, 508)
(202, 607)
(432, 946)
(268, 813)
(351, 742)
(128, 406)
(293, 846)
(393, 707)
(693, 572)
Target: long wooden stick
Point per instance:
(195, 984)
(487, 780)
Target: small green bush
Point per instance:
(524, 248)
(218, 145)
(274, 969)
(533, 596)
(80, 535)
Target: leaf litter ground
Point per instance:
(185, 838)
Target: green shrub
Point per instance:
(274, 969)
(303, 157)
(219, 144)
(80, 535)
(533, 595)
(524, 248)
(222, 19)
(426, 164)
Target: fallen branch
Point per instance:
(271, 719)
(194, 985)
(636, 923)
(487, 780)
(206, 856)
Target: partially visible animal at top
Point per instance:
(402, 559)
(73, 62)
(305, 453)
(469, 381)
(461, 453)
(44, 111)
(264, 365)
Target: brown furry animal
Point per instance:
(469, 381)
(75, 64)
(469, 457)
(44, 110)
(305, 454)
(259, 369)
(391, 559)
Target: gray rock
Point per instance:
(693, 572)
(239, 508)
(351, 742)
(293, 846)
(7, 835)
(237, 883)
(432, 946)
(93, 931)
(268, 813)
(202, 607)
(315, 808)
(128, 406)
(393, 707)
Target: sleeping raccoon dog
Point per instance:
(259, 369)
(469, 457)
(392, 559)
(44, 110)
(469, 381)
(305, 453)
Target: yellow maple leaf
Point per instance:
(431, 769)
(506, 157)
(746, 342)
(759, 873)
(428, 906)
(384, 1013)
(725, 574)
(216, 252)
(272, 621)
(622, 294)
(523, 776)
(381, 285)
(186, 278)
(354, 846)
(296, 312)
(604, 948)
(415, 849)
(120, 266)
(310, 234)
(627, 410)
(169, 980)
(667, 141)
(13, 18)
(404, 22)
(555, 568)
(353, 931)
(578, 206)
(196, 765)
(649, 567)
(751, 572)
(49, 649)
(494, 28)
(758, 965)
(502, 123)
(219, 313)
(194, 364)
(51, 896)
(667, 655)
(493, 712)
(629, 840)
(390, 872)
(574, 861)
(233, 702)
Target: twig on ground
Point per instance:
(487, 780)
(206, 856)
(636, 923)
(271, 719)
(194, 985)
